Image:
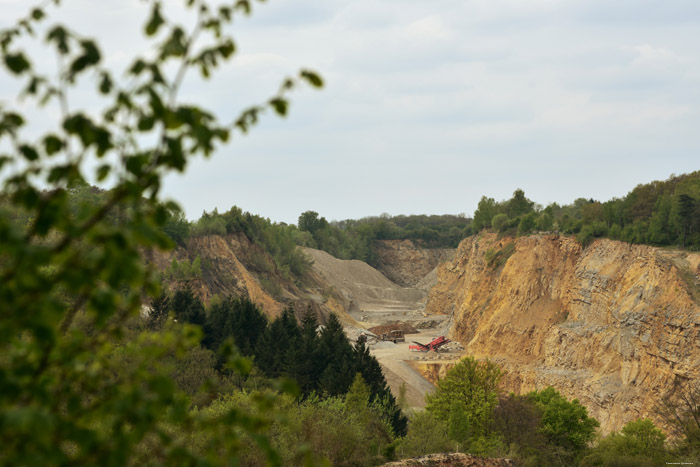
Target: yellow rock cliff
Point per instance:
(612, 324)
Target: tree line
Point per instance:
(347, 239)
(658, 213)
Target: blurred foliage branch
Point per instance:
(62, 397)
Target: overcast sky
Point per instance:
(429, 105)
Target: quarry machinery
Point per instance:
(394, 336)
(433, 345)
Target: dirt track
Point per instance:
(394, 358)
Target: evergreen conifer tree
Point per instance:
(187, 307)
(238, 318)
(275, 347)
(305, 355)
(336, 355)
(160, 307)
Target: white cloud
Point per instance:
(429, 105)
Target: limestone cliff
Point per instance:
(407, 263)
(612, 324)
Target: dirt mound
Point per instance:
(451, 459)
(405, 327)
(364, 286)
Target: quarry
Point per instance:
(614, 325)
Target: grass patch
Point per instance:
(497, 258)
(692, 283)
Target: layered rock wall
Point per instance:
(614, 325)
(406, 263)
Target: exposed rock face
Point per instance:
(613, 324)
(451, 459)
(223, 270)
(406, 263)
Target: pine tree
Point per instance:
(276, 345)
(238, 318)
(336, 359)
(160, 307)
(187, 307)
(307, 370)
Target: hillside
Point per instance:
(233, 265)
(614, 325)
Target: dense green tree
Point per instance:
(484, 213)
(565, 423)
(238, 318)
(274, 347)
(527, 223)
(358, 396)
(159, 311)
(187, 307)
(545, 222)
(686, 209)
(473, 384)
(458, 424)
(659, 213)
(426, 434)
(639, 443)
(368, 366)
(336, 357)
(499, 222)
(176, 226)
(517, 421)
(305, 364)
(659, 224)
(519, 205)
(309, 221)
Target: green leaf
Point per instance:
(103, 172)
(227, 48)
(29, 152)
(33, 86)
(243, 5)
(17, 63)
(37, 14)
(280, 105)
(59, 35)
(52, 144)
(146, 123)
(138, 67)
(106, 83)
(225, 13)
(175, 46)
(155, 22)
(10, 122)
(90, 57)
(312, 78)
